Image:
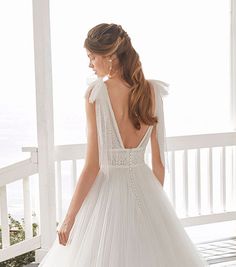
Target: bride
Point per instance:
(119, 214)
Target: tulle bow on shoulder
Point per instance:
(161, 90)
(96, 93)
(94, 88)
(162, 86)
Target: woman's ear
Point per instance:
(113, 56)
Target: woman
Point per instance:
(119, 215)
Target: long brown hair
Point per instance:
(107, 39)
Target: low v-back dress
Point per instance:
(126, 219)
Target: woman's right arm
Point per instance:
(157, 166)
(87, 177)
(91, 166)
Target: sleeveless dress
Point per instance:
(126, 219)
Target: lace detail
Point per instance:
(133, 188)
(114, 139)
(126, 157)
(108, 133)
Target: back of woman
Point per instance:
(119, 214)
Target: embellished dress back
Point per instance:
(126, 219)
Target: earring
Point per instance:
(110, 68)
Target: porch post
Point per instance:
(45, 128)
(233, 89)
(233, 64)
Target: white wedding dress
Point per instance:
(126, 220)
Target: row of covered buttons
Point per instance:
(130, 162)
(132, 182)
(120, 157)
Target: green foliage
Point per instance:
(17, 234)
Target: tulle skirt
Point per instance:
(126, 221)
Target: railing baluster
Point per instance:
(198, 180)
(234, 174)
(4, 217)
(222, 179)
(185, 182)
(172, 180)
(210, 180)
(27, 208)
(59, 191)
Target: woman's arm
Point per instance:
(91, 166)
(157, 166)
(87, 177)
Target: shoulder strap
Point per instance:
(96, 93)
(94, 87)
(161, 90)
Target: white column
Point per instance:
(45, 129)
(233, 64)
(233, 89)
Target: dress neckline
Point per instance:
(116, 124)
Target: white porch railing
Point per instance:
(19, 171)
(214, 153)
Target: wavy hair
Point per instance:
(108, 39)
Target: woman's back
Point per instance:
(126, 219)
(118, 96)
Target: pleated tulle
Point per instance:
(126, 221)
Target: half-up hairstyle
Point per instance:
(108, 39)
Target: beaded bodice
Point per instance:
(127, 157)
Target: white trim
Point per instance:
(233, 86)
(201, 141)
(16, 171)
(208, 218)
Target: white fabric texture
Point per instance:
(126, 219)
